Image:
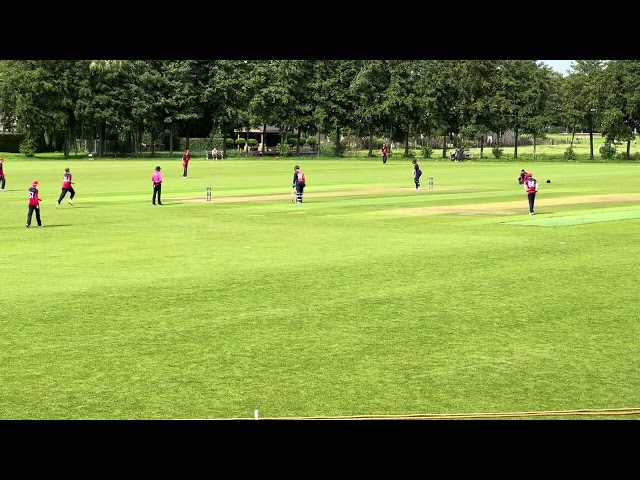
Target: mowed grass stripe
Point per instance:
(579, 219)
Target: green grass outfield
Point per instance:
(369, 300)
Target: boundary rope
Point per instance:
(450, 416)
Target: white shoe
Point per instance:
(70, 202)
(418, 188)
(57, 204)
(2, 190)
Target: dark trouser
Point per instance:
(416, 178)
(384, 159)
(299, 191)
(3, 181)
(184, 171)
(64, 193)
(30, 214)
(532, 200)
(157, 191)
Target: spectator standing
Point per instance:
(186, 158)
(214, 153)
(299, 182)
(417, 173)
(385, 153)
(531, 187)
(3, 180)
(156, 178)
(66, 187)
(34, 204)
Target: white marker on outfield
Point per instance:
(255, 414)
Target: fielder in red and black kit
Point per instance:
(522, 177)
(3, 180)
(417, 173)
(299, 182)
(66, 187)
(34, 204)
(385, 153)
(186, 158)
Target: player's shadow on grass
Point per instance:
(75, 207)
(50, 225)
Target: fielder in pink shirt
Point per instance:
(156, 178)
(531, 187)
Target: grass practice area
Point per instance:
(368, 300)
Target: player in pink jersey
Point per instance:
(186, 158)
(66, 187)
(531, 187)
(3, 180)
(156, 178)
(34, 204)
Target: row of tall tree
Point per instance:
(128, 100)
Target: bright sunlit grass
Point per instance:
(370, 298)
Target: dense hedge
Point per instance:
(10, 142)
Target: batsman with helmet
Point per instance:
(299, 182)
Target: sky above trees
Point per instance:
(560, 66)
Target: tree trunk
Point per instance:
(67, 141)
(444, 145)
(406, 141)
(153, 143)
(516, 130)
(590, 135)
(264, 136)
(103, 134)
